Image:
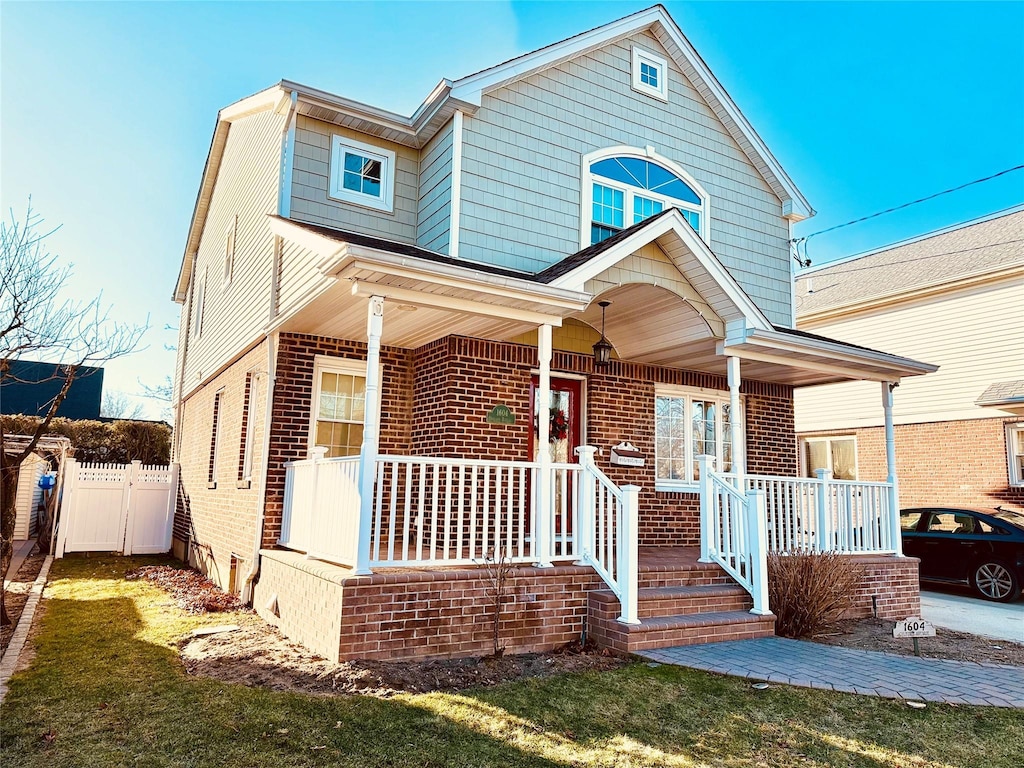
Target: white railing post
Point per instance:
(371, 425)
(545, 496)
(706, 465)
(757, 546)
(824, 506)
(890, 462)
(627, 568)
(585, 505)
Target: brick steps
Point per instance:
(677, 615)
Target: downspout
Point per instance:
(261, 498)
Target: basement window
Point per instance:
(362, 174)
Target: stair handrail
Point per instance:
(734, 532)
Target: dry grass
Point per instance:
(809, 593)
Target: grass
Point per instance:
(106, 689)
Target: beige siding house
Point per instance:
(547, 319)
(955, 299)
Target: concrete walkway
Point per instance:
(870, 673)
(964, 613)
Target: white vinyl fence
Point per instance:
(127, 508)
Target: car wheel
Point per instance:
(994, 581)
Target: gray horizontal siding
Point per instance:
(310, 202)
(434, 220)
(523, 148)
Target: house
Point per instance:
(29, 386)
(545, 321)
(955, 298)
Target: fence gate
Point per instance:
(126, 508)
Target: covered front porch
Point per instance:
(677, 311)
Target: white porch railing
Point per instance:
(431, 511)
(733, 532)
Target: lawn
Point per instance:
(106, 689)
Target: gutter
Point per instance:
(261, 503)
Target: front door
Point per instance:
(564, 414)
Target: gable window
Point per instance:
(650, 74)
(362, 174)
(1015, 452)
(229, 249)
(688, 424)
(339, 400)
(631, 187)
(838, 454)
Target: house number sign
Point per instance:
(501, 414)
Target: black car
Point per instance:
(983, 547)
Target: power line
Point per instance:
(907, 205)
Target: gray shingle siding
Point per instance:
(522, 163)
(434, 220)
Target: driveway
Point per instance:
(952, 608)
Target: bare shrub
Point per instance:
(498, 570)
(810, 592)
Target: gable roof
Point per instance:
(466, 94)
(977, 251)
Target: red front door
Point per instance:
(565, 434)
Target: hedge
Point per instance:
(117, 442)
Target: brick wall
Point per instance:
(211, 524)
(944, 462)
(893, 582)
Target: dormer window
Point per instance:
(633, 185)
(650, 74)
(362, 174)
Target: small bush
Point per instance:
(809, 593)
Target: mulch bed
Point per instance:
(17, 595)
(876, 635)
(192, 591)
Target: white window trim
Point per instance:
(344, 365)
(690, 393)
(336, 191)
(1013, 475)
(230, 235)
(804, 469)
(199, 297)
(647, 153)
(643, 56)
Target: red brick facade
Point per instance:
(943, 462)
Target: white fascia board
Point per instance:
(839, 352)
(472, 88)
(672, 221)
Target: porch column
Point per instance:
(739, 434)
(890, 463)
(542, 532)
(371, 432)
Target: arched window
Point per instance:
(628, 186)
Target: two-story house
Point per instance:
(547, 321)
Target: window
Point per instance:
(211, 479)
(362, 174)
(229, 249)
(338, 406)
(910, 519)
(838, 454)
(248, 409)
(650, 74)
(198, 301)
(688, 425)
(1015, 452)
(950, 522)
(628, 188)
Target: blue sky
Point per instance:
(108, 108)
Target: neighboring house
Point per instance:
(956, 299)
(29, 387)
(585, 246)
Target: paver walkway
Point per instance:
(871, 673)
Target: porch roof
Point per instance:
(694, 327)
